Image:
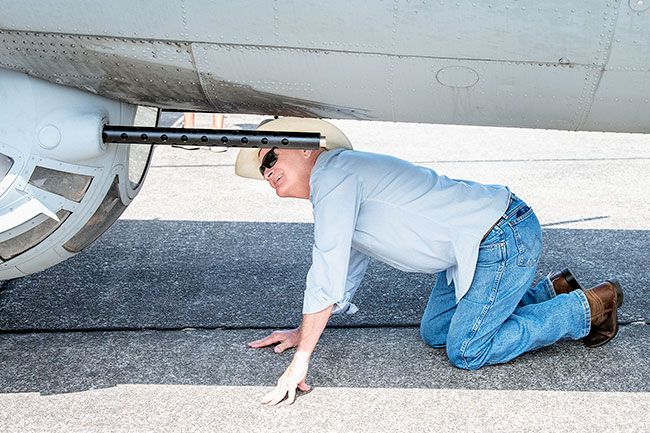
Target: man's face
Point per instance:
(289, 176)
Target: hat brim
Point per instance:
(248, 163)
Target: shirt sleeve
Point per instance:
(336, 270)
(356, 271)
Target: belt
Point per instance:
(503, 218)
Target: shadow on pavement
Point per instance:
(178, 274)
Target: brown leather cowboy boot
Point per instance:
(604, 301)
(564, 282)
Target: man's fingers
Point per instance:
(274, 397)
(281, 347)
(278, 398)
(268, 397)
(303, 386)
(267, 341)
(280, 391)
(292, 395)
(261, 343)
(256, 343)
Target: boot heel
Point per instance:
(619, 292)
(570, 279)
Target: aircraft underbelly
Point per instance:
(557, 64)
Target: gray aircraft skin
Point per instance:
(69, 67)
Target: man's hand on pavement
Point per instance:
(284, 339)
(305, 338)
(293, 377)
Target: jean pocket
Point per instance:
(528, 237)
(493, 249)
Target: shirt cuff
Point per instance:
(344, 307)
(319, 300)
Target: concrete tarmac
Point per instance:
(146, 330)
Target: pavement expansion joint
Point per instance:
(228, 328)
(185, 329)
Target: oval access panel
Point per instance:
(457, 76)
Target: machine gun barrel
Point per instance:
(211, 137)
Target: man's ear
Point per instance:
(307, 153)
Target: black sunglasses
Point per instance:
(269, 160)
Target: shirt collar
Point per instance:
(321, 161)
(324, 157)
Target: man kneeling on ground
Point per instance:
(482, 241)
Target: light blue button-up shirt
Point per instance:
(370, 205)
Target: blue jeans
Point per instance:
(503, 315)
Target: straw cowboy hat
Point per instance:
(248, 163)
